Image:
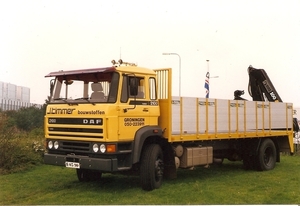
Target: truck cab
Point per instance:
(94, 116)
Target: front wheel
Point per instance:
(266, 158)
(152, 167)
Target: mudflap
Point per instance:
(170, 171)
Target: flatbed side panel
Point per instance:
(207, 119)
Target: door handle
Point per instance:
(145, 110)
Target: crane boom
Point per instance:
(260, 86)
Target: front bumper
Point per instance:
(105, 165)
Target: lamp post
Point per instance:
(179, 69)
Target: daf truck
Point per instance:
(124, 118)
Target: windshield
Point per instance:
(89, 88)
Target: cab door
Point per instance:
(134, 107)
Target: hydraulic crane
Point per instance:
(261, 88)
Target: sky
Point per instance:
(38, 37)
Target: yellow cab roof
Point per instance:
(124, 69)
(135, 69)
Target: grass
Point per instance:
(225, 184)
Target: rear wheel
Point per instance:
(266, 158)
(152, 167)
(85, 175)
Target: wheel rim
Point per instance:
(159, 169)
(268, 156)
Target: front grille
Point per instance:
(86, 130)
(75, 127)
(70, 146)
(79, 121)
(75, 136)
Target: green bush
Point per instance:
(19, 149)
(29, 118)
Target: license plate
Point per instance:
(75, 165)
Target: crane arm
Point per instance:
(260, 86)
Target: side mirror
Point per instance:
(133, 86)
(51, 86)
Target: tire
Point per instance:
(152, 167)
(266, 157)
(84, 175)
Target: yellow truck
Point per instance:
(124, 118)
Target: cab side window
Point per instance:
(137, 87)
(152, 87)
(133, 87)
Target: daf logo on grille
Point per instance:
(92, 121)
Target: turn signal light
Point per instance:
(110, 148)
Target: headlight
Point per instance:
(95, 148)
(50, 144)
(102, 148)
(56, 145)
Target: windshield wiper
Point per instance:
(64, 99)
(85, 98)
(82, 98)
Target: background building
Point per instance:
(13, 97)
